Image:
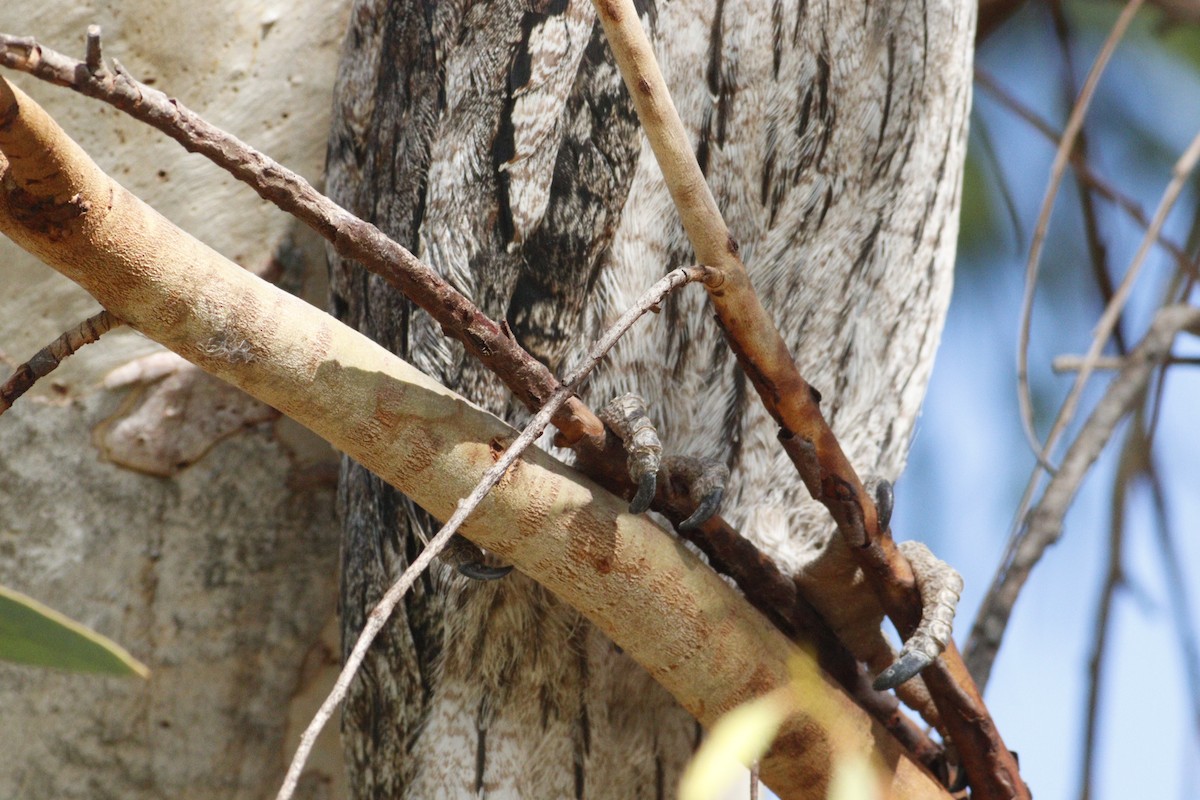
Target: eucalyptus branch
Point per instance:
(561, 530)
(601, 456)
(383, 610)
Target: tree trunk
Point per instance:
(498, 143)
(217, 569)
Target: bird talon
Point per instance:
(645, 494)
(885, 500)
(904, 669)
(626, 416)
(708, 506)
(483, 572)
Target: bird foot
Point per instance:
(940, 586)
(470, 560)
(705, 479)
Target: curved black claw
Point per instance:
(905, 668)
(645, 494)
(885, 500)
(710, 505)
(482, 572)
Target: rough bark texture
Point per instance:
(220, 574)
(496, 141)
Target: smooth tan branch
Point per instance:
(701, 640)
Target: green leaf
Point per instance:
(31, 633)
(738, 738)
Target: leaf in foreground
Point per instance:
(738, 738)
(31, 633)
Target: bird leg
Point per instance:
(705, 479)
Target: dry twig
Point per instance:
(1057, 170)
(47, 359)
(792, 403)
(1044, 525)
(1131, 465)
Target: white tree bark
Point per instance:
(220, 575)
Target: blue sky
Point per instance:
(969, 461)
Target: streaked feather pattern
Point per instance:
(497, 141)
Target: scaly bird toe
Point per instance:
(940, 587)
(705, 480)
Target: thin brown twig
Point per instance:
(1044, 525)
(1097, 249)
(987, 148)
(792, 403)
(1114, 581)
(598, 455)
(993, 14)
(383, 610)
(1177, 592)
(350, 236)
(49, 357)
(1130, 466)
(1179, 290)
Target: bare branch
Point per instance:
(554, 525)
(94, 59)
(793, 404)
(49, 357)
(1177, 591)
(1131, 465)
(1044, 525)
(1071, 363)
(1057, 170)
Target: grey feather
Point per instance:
(497, 141)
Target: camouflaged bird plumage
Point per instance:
(497, 141)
